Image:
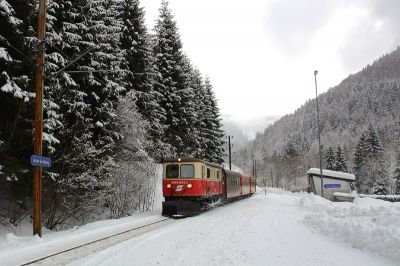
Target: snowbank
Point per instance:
(15, 250)
(367, 224)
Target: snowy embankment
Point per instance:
(367, 224)
(16, 250)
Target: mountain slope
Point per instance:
(369, 96)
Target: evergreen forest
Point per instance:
(118, 99)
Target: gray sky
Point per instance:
(261, 54)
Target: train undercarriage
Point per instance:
(188, 206)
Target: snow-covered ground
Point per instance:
(281, 228)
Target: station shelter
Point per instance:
(335, 183)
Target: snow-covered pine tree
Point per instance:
(380, 186)
(340, 162)
(141, 73)
(374, 146)
(17, 68)
(330, 159)
(102, 83)
(375, 167)
(194, 104)
(360, 157)
(369, 164)
(200, 108)
(396, 174)
(69, 121)
(177, 98)
(215, 150)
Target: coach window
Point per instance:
(187, 171)
(208, 172)
(172, 171)
(217, 174)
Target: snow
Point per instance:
(6, 7)
(4, 54)
(21, 249)
(99, 124)
(329, 173)
(12, 87)
(367, 224)
(262, 230)
(281, 228)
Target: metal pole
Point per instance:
(255, 169)
(253, 172)
(229, 149)
(39, 84)
(319, 134)
(272, 179)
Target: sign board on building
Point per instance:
(332, 185)
(40, 161)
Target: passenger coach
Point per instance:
(191, 185)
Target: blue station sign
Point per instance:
(332, 185)
(41, 161)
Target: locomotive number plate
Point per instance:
(179, 182)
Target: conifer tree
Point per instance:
(374, 147)
(197, 85)
(177, 100)
(17, 45)
(330, 159)
(369, 164)
(212, 120)
(340, 163)
(396, 174)
(141, 74)
(380, 186)
(360, 157)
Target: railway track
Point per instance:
(71, 254)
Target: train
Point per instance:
(192, 185)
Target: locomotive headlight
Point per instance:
(168, 185)
(189, 186)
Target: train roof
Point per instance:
(190, 160)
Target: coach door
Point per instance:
(208, 180)
(223, 182)
(203, 181)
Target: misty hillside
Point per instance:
(369, 96)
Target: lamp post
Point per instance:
(229, 152)
(319, 134)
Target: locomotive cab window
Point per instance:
(187, 171)
(172, 171)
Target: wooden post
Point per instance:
(39, 84)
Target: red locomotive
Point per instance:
(191, 185)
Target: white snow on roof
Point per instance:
(330, 173)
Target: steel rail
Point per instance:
(92, 242)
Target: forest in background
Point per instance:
(360, 133)
(118, 99)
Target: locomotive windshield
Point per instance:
(186, 171)
(172, 171)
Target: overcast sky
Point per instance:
(261, 54)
